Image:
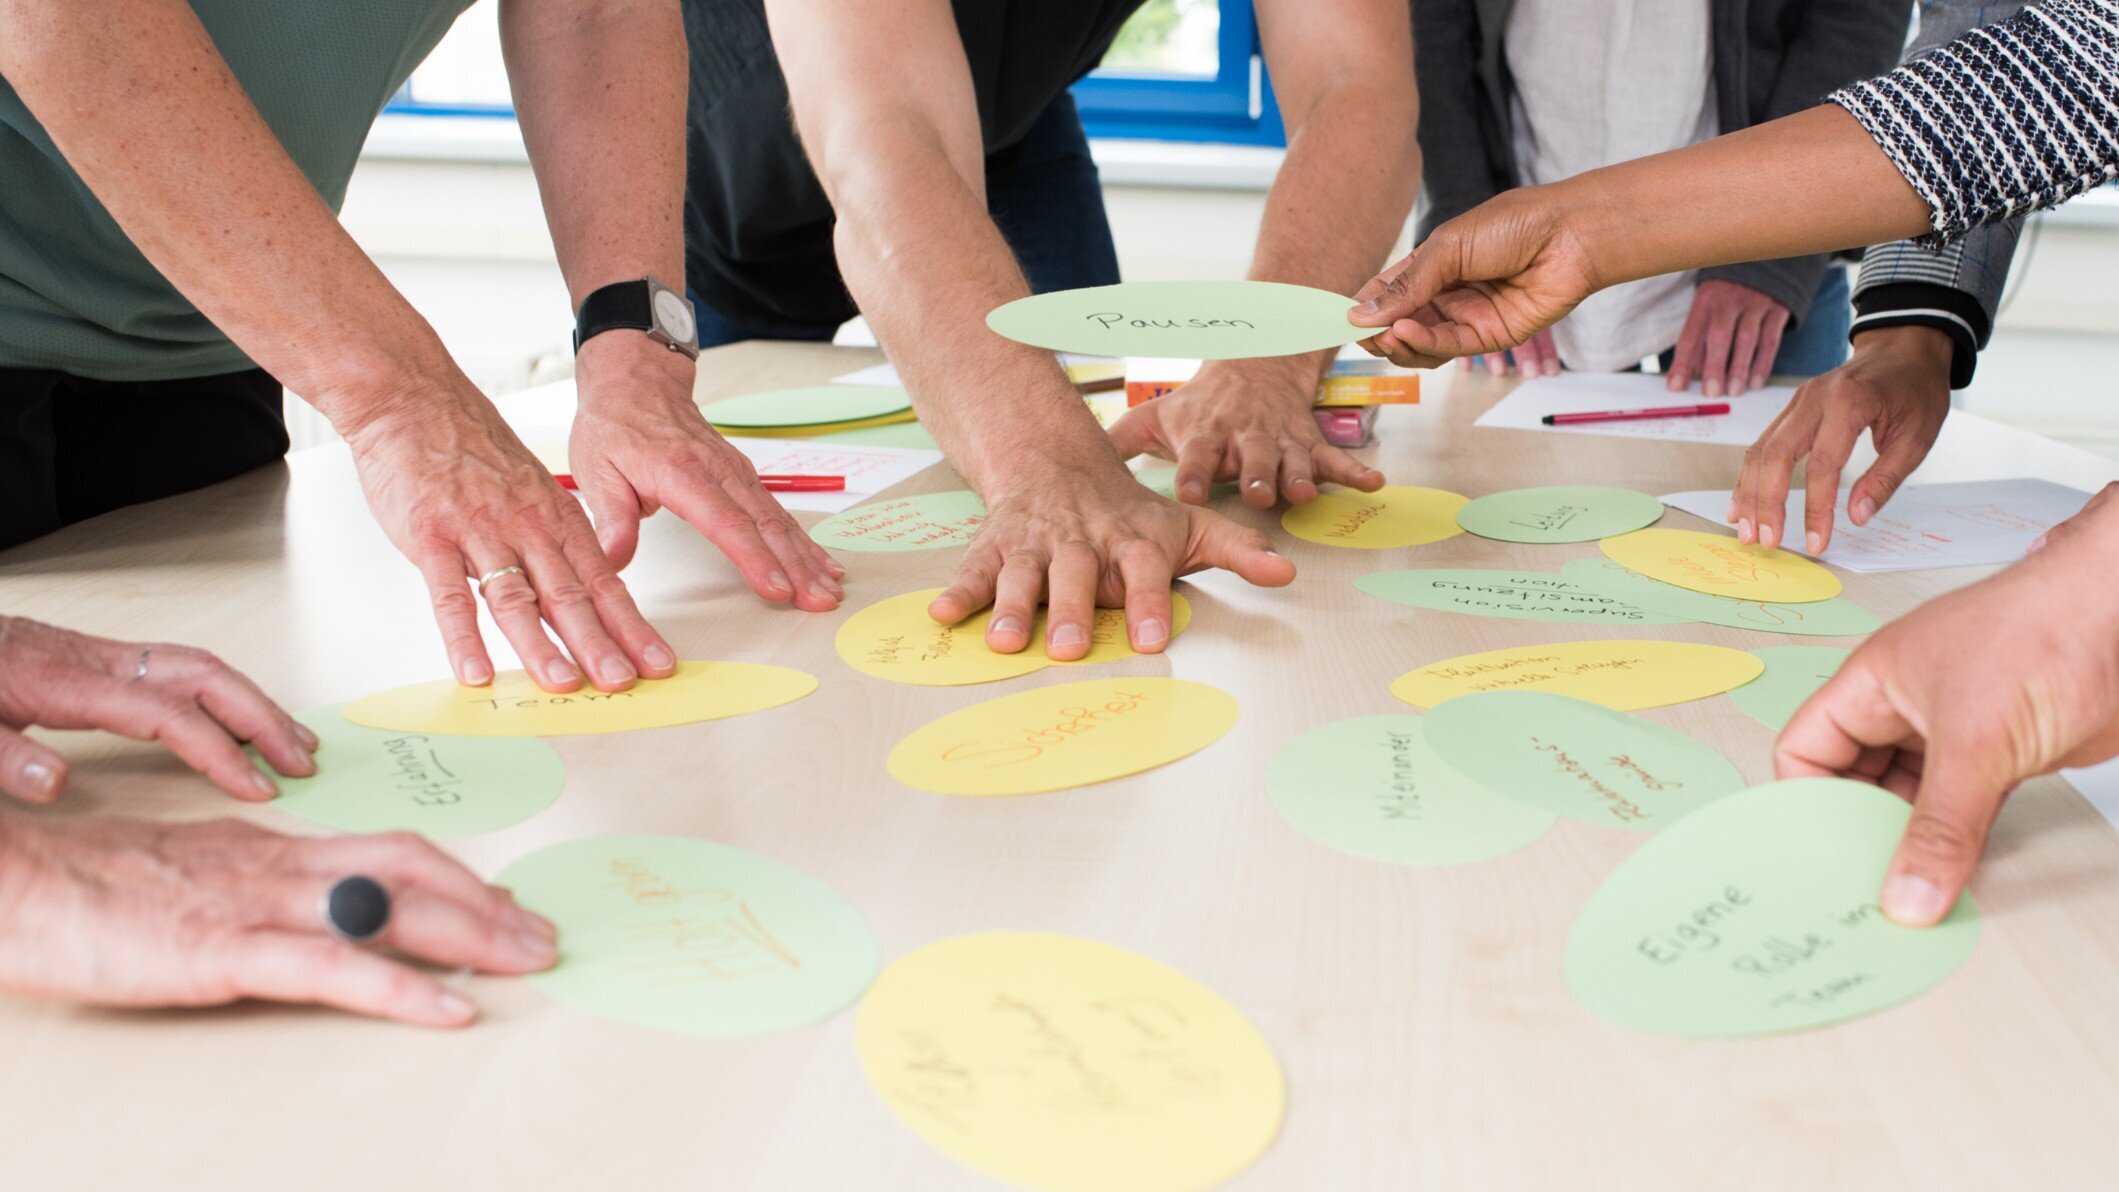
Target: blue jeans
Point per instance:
(1043, 193)
(1819, 342)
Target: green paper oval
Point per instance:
(1189, 320)
(816, 405)
(692, 936)
(1373, 787)
(380, 780)
(1509, 595)
(931, 521)
(1578, 759)
(896, 434)
(1758, 915)
(1793, 674)
(1836, 617)
(1562, 513)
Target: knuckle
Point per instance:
(1935, 836)
(569, 591)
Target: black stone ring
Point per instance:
(356, 908)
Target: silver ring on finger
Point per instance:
(139, 669)
(496, 573)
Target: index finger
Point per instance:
(1850, 714)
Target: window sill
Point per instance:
(1178, 164)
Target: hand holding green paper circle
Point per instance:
(1187, 320)
(384, 780)
(1758, 914)
(1564, 513)
(1508, 595)
(691, 936)
(816, 405)
(1579, 759)
(1373, 787)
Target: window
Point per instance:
(1181, 70)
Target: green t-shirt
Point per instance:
(77, 296)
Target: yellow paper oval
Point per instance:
(1071, 734)
(514, 706)
(1625, 675)
(1069, 1064)
(895, 639)
(1395, 515)
(1720, 565)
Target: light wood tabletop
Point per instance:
(1428, 1037)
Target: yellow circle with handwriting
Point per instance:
(895, 639)
(514, 706)
(1721, 566)
(1070, 1064)
(1067, 735)
(1394, 515)
(1625, 675)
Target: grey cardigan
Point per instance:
(1771, 58)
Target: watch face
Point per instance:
(674, 316)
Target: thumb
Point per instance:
(29, 771)
(1961, 790)
(1408, 286)
(1896, 458)
(615, 510)
(1219, 542)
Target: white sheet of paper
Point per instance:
(545, 414)
(1966, 524)
(2100, 785)
(1584, 393)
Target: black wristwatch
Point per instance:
(644, 305)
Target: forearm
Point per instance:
(926, 264)
(141, 104)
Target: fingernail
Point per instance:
(263, 785)
(475, 673)
(658, 656)
(1768, 535)
(1066, 635)
(536, 924)
(42, 778)
(617, 670)
(1862, 510)
(559, 672)
(1195, 491)
(838, 569)
(536, 947)
(821, 592)
(779, 582)
(1913, 901)
(1713, 389)
(1743, 530)
(1007, 626)
(1815, 541)
(456, 1006)
(310, 741)
(2037, 544)
(1151, 633)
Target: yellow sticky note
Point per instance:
(1072, 734)
(514, 706)
(1721, 566)
(1395, 515)
(895, 639)
(1617, 674)
(1069, 1064)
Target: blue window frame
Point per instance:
(1235, 106)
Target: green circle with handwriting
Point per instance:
(1757, 915)
(692, 936)
(1187, 320)
(1563, 513)
(930, 521)
(1793, 674)
(1834, 617)
(1507, 595)
(817, 405)
(1373, 787)
(385, 780)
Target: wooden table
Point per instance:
(1428, 1038)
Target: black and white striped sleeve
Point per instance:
(2006, 120)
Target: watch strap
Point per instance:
(623, 305)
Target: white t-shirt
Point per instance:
(1604, 81)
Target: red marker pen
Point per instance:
(1719, 407)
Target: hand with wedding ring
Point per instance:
(202, 709)
(120, 912)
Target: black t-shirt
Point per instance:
(758, 228)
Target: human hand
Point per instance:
(640, 443)
(1082, 537)
(202, 709)
(461, 497)
(1954, 704)
(1534, 357)
(1731, 337)
(1249, 420)
(121, 912)
(1896, 386)
(2083, 517)
(1485, 281)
